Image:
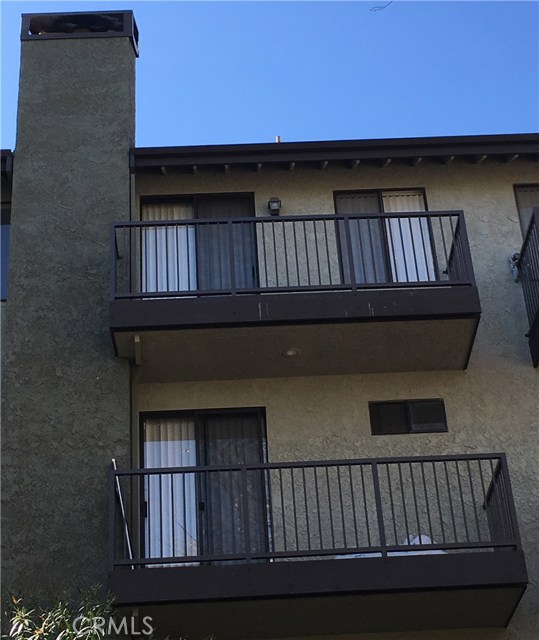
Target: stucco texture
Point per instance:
(493, 406)
(65, 409)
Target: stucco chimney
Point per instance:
(61, 422)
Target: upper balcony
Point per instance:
(307, 548)
(529, 276)
(293, 295)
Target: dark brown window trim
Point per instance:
(194, 197)
(527, 185)
(196, 414)
(378, 191)
(407, 427)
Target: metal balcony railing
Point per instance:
(529, 269)
(186, 258)
(185, 516)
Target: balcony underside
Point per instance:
(286, 599)
(366, 331)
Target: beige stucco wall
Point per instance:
(491, 407)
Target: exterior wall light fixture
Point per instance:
(274, 206)
(291, 352)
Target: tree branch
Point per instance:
(380, 8)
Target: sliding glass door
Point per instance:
(367, 237)
(392, 249)
(209, 255)
(234, 504)
(211, 511)
(225, 251)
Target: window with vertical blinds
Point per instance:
(393, 249)
(527, 197)
(168, 261)
(189, 257)
(202, 512)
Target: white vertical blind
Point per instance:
(171, 521)
(409, 241)
(168, 252)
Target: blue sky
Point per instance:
(234, 72)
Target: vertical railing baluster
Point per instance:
(440, 513)
(388, 228)
(112, 517)
(426, 252)
(365, 507)
(414, 250)
(294, 507)
(353, 495)
(167, 280)
(307, 254)
(296, 255)
(414, 495)
(360, 246)
(262, 227)
(156, 251)
(246, 523)
(315, 469)
(160, 477)
(273, 225)
(172, 510)
(231, 255)
(427, 501)
(348, 248)
(178, 255)
(390, 489)
(442, 236)
(462, 501)
(373, 251)
(285, 247)
(341, 506)
(332, 526)
(450, 498)
(403, 494)
(472, 491)
(379, 508)
(285, 545)
(306, 508)
(404, 256)
(184, 517)
(491, 501)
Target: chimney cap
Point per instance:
(82, 24)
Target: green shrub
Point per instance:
(63, 619)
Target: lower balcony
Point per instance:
(293, 295)
(529, 276)
(308, 548)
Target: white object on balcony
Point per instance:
(411, 540)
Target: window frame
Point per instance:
(194, 198)
(527, 185)
(375, 416)
(379, 192)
